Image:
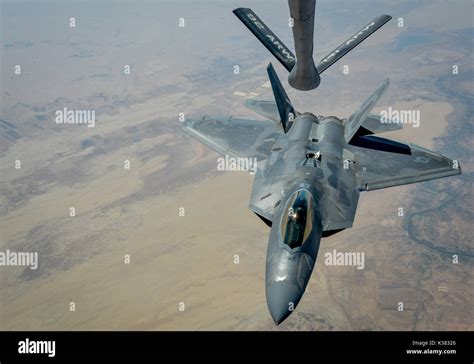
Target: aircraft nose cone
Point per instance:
(282, 298)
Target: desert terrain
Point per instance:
(128, 259)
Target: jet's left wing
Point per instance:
(376, 169)
(233, 136)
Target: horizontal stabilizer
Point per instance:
(352, 42)
(285, 108)
(267, 109)
(266, 36)
(353, 124)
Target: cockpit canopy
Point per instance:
(297, 221)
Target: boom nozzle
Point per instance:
(304, 76)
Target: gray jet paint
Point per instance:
(304, 75)
(311, 169)
(302, 188)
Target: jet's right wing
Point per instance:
(376, 169)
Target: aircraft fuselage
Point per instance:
(297, 226)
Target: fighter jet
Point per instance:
(304, 75)
(310, 172)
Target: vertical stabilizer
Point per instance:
(355, 121)
(285, 108)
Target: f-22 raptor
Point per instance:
(310, 172)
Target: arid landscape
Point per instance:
(153, 246)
